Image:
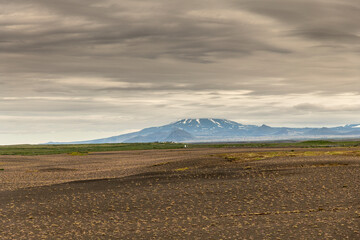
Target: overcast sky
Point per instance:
(84, 69)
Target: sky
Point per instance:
(86, 69)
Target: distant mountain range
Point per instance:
(222, 130)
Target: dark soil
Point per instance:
(196, 197)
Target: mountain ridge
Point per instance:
(222, 130)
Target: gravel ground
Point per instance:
(31, 171)
(180, 194)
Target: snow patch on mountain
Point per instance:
(212, 120)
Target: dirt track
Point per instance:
(180, 194)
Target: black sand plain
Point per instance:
(183, 194)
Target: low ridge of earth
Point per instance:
(183, 194)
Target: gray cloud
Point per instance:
(129, 62)
(309, 107)
(322, 20)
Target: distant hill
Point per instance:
(222, 130)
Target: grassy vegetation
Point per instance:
(181, 169)
(83, 149)
(304, 144)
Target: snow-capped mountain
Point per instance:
(220, 130)
(209, 126)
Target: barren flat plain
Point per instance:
(204, 193)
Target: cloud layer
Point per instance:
(80, 69)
